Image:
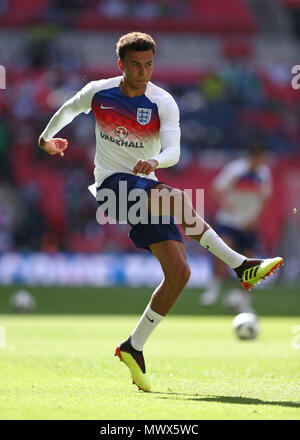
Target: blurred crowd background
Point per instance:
(228, 65)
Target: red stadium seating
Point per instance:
(201, 16)
(21, 13)
(223, 16)
(205, 16)
(291, 3)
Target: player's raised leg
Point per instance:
(249, 271)
(172, 257)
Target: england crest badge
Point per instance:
(143, 115)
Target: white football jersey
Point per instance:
(245, 192)
(127, 129)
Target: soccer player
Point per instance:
(137, 131)
(241, 190)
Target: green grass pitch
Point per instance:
(60, 365)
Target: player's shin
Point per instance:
(146, 325)
(195, 227)
(214, 244)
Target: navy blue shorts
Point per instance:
(143, 235)
(242, 240)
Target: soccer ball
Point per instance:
(22, 301)
(246, 326)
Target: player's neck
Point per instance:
(130, 91)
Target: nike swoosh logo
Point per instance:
(151, 320)
(105, 108)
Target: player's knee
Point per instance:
(180, 276)
(186, 275)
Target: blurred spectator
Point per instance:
(4, 138)
(143, 9)
(65, 12)
(113, 8)
(3, 6)
(10, 216)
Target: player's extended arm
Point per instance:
(80, 103)
(60, 119)
(218, 195)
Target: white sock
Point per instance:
(214, 286)
(144, 328)
(212, 242)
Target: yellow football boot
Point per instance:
(252, 271)
(134, 360)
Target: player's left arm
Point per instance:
(266, 193)
(169, 139)
(79, 103)
(253, 224)
(223, 183)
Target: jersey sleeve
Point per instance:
(169, 115)
(268, 184)
(169, 134)
(226, 177)
(79, 103)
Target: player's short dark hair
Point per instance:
(137, 41)
(257, 149)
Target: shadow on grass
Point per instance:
(237, 400)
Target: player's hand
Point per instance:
(145, 166)
(54, 146)
(251, 226)
(227, 205)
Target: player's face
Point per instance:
(257, 160)
(137, 68)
